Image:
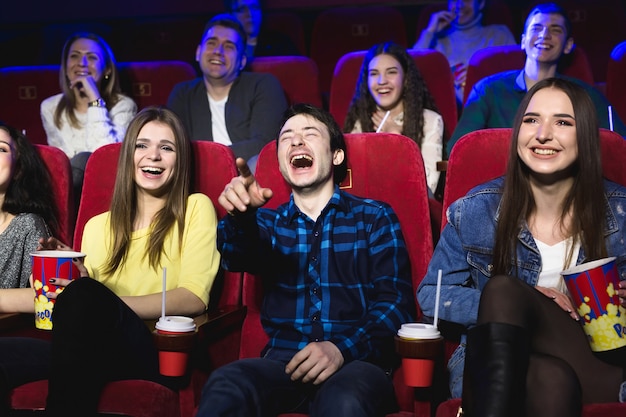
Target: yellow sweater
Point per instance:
(192, 266)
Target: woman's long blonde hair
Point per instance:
(110, 90)
(124, 201)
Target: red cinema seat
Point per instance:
(298, 76)
(58, 165)
(22, 89)
(337, 31)
(150, 83)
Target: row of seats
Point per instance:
(23, 88)
(372, 169)
(333, 32)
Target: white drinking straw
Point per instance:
(383, 121)
(163, 295)
(611, 118)
(437, 295)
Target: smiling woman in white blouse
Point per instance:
(90, 111)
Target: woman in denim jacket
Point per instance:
(530, 225)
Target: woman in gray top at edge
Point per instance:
(26, 210)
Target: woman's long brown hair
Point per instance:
(124, 201)
(110, 90)
(585, 201)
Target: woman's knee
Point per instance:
(552, 388)
(503, 299)
(500, 284)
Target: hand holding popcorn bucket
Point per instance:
(593, 287)
(50, 264)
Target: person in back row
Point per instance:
(91, 110)
(391, 82)
(494, 100)
(458, 33)
(226, 105)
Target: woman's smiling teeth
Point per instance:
(544, 151)
(301, 161)
(152, 170)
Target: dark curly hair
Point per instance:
(30, 189)
(415, 94)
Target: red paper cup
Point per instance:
(419, 345)
(175, 338)
(50, 264)
(593, 287)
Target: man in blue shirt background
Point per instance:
(338, 284)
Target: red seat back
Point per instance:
(298, 76)
(432, 65)
(58, 165)
(150, 83)
(337, 31)
(22, 89)
(495, 59)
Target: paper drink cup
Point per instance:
(50, 264)
(174, 336)
(593, 287)
(419, 345)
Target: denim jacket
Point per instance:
(464, 254)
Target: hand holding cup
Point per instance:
(52, 271)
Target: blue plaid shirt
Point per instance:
(344, 278)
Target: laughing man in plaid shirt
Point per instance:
(338, 278)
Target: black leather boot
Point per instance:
(496, 363)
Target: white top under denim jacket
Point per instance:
(464, 254)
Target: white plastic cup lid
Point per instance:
(418, 331)
(58, 254)
(176, 324)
